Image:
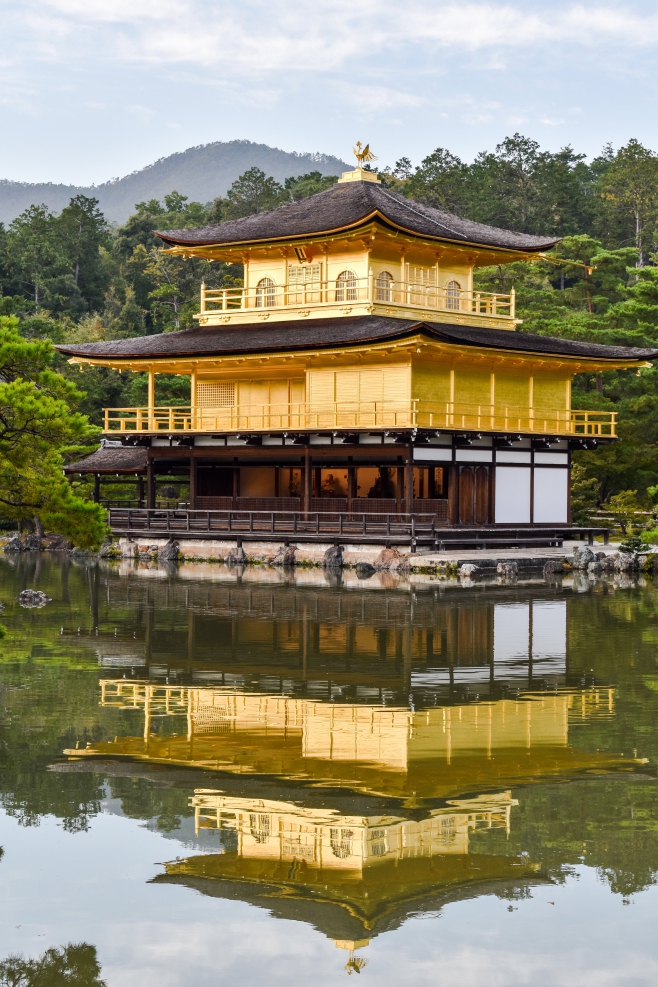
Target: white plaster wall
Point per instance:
(551, 495)
(512, 495)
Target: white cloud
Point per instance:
(265, 37)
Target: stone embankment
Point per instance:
(366, 559)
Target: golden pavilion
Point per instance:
(357, 375)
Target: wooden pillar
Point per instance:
(150, 484)
(192, 483)
(308, 480)
(351, 487)
(236, 486)
(399, 487)
(140, 491)
(151, 398)
(453, 494)
(409, 485)
(97, 488)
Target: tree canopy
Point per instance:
(70, 277)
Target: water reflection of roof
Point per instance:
(350, 876)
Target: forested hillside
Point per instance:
(200, 173)
(69, 276)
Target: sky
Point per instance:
(95, 89)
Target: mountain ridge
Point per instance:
(202, 173)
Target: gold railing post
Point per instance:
(512, 303)
(151, 399)
(203, 297)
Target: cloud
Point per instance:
(268, 36)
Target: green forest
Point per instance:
(73, 277)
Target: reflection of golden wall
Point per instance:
(391, 737)
(323, 838)
(357, 732)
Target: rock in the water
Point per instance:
(285, 556)
(601, 556)
(608, 563)
(32, 543)
(507, 569)
(33, 598)
(236, 556)
(333, 557)
(364, 570)
(57, 543)
(84, 553)
(582, 557)
(469, 569)
(107, 550)
(594, 568)
(627, 562)
(14, 545)
(554, 567)
(387, 558)
(169, 552)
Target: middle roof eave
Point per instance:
(318, 334)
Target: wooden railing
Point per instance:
(364, 415)
(319, 294)
(341, 528)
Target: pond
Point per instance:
(213, 775)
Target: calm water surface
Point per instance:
(212, 776)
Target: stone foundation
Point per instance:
(255, 551)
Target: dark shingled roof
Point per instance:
(112, 460)
(351, 205)
(331, 333)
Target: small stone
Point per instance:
(169, 552)
(386, 558)
(469, 569)
(30, 598)
(333, 557)
(507, 569)
(285, 556)
(601, 556)
(554, 566)
(236, 556)
(14, 545)
(627, 562)
(582, 557)
(364, 570)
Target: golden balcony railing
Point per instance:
(360, 416)
(324, 294)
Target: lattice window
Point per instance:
(346, 287)
(218, 394)
(453, 294)
(265, 293)
(384, 287)
(424, 277)
(303, 274)
(260, 826)
(341, 842)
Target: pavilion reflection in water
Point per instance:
(350, 875)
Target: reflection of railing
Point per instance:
(361, 415)
(318, 294)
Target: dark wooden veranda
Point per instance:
(414, 530)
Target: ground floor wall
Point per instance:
(480, 483)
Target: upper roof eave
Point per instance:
(348, 207)
(375, 215)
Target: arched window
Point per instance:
(346, 287)
(384, 287)
(265, 293)
(453, 293)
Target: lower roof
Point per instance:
(108, 459)
(333, 333)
